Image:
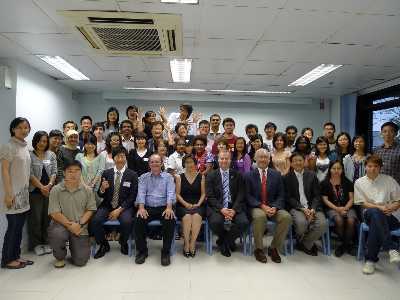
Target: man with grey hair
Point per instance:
(265, 197)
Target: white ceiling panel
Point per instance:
(205, 65)
(281, 51)
(264, 67)
(223, 48)
(327, 5)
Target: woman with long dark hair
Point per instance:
(112, 121)
(320, 163)
(354, 163)
(337, 194)
(240, 159)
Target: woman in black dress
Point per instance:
(138, 158)
(190, 195)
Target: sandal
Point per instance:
(19, 266)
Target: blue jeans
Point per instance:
(12, 238)
(379, 236)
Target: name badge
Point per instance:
(46, 162)
(146, 159)
(126, 184)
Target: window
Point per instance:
(378, 118)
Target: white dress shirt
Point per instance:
(121, 171)
(303, 198)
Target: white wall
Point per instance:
(7, 101)
(301, 115)
(42, 100)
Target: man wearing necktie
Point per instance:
(265, 197)
(226, 210)
(118, 189)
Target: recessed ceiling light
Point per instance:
(181, 1)
(180, 70)
(65, 67)
(314, 74)
(204, 90)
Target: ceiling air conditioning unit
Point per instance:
(127, 33)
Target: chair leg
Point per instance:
(328, 241)
(210, 244)
(361, 240)
(130, 246)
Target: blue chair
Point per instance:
(288, 249)
(115, 223)
(243, 239)
(361, 239)
(206, 234)
(158, 223)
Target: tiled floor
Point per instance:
(204, 277)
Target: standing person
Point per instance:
(280, 156)
(389, 152)
(98, 132)
(119, 190)
(67, 152)
(182, 131)
(86, 127)
(228, 135)
(162, 151)
(42, 179)
(291, 134)
(251, 131)
(337, 194)
(343, 146)
(185, 116)
(134, 115)
(308, 132)
(71, 205)
(138, 158)
(303, 146)
(212, 159)
(55, 141)
(303, 199)
(15, 172)
(113, 141)
(241, 160)
(256, 142)
(128, 141)
(112, 121)
(329, 133)
(265, 196)
(155, 199)
(190, 196)
(200, 153)
(270, 130)
(92, 164)
(157, 129)
(320, 164)
(149, 118)
(215, 122)
(379, 195)
(174, 163)
(204, 130)
(354, 163)
(69, 125)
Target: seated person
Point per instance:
(190, 195)
(71, 205)
(155, 200)
(337, 195)
(303, 199)
(379, 195)
(266, 198)
(118, 189)
(226, 208)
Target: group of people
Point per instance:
(183, 168)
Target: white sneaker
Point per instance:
(39, 251)
(369, 268)
(394, 256)
(47, 249)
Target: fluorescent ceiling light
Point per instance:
(181, 1)
(62, 65)
(180, 70)
(314, 74)
(204, 90)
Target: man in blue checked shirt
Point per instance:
(155, 200)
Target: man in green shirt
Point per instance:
(71, 205)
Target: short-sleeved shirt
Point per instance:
(17, 154)
(391, 160)
(382, 190)
(73, 204)
(175, 162)
(338, 194)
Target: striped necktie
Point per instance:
(225, 189)
(115, 198)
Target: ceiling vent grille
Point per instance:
(125, 33)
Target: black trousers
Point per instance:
(97, 229)
(168, 229)
(38, 220)
(216, 220)
(12, 238)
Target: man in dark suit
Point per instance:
(303, 199)
(118, 189)
(266, 198)
(226, 209)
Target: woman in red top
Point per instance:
(200, 153)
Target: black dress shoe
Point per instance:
(165, 259)
(186, 253)
(124, 248)
(225, 250)
(232, 246)
(141, 258)
(104, 248)
(339, 251)
(274, 254)
(311, 251)
(260, 256)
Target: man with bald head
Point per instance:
(155, 200)
(226, 206)
(266, 199)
